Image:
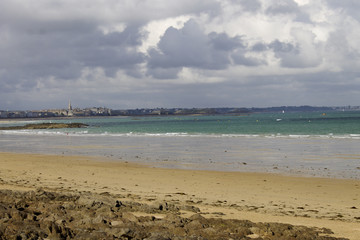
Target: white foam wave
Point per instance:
(88, 133)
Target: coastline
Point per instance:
(258, 197)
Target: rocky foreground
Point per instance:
(45, 126)
(73, 215)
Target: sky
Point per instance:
(126, 54)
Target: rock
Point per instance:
(118, 232)
(159, 236)
(118, 203)
(99, 220)
(162, 206)
(129, 216)
(198, 217)
(179, 231)
(194, 225)
(209, 231)
(46, 126)
(85, 221)
(51, 215)
(255, 230)
(60, 222)
(116, 223)
(190, 208)
(173, 219)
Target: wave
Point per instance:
(174, 134)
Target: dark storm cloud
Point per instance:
(110, 50)
(191, 47)
(259, 47)
(62, 52)
(222, 42)
(239, 58)
(282, 47)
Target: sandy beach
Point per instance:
(258, 197)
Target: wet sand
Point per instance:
(258, 197)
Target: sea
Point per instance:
(311, 144)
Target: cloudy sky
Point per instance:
(185, 53)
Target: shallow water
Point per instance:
(304, 156)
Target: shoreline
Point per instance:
(313, 202)
(335, 158)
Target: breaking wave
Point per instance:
(86, 133)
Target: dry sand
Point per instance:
(258, 197)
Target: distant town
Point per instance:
(103, 111)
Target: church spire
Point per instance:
(70, 107)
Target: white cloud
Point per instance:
(302, 2)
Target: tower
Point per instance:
(69, 111)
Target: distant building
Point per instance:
(70, 110)
(70, 107)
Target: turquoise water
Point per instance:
(338, 124)
(309, 144)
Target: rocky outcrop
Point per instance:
(41, 214)
(45, 126)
